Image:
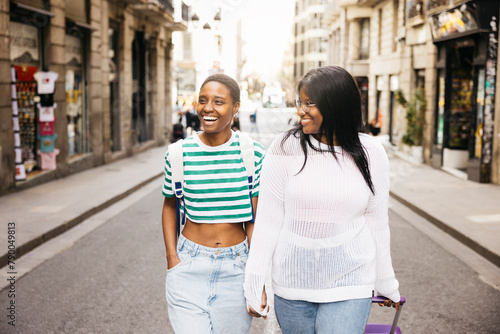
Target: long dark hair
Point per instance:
(337, 97)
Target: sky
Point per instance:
(266, 30)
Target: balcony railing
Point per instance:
(431, 4)
(167, 4)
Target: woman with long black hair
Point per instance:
(323, 215)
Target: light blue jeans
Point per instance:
(205, 290)
(342, 317)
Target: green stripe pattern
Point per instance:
(215, 181)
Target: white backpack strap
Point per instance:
(247, 153)
(177, 166)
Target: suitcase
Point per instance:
(384, 328)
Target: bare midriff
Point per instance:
(214, 235)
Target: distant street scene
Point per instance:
(93, 93)
(112, 278)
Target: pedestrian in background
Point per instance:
(236, 123)
(323, 215)
(375, 124)
(205, 272)
(253, 122)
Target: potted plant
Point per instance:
(415, 121)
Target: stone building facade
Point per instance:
(446, 49)
(112, 95)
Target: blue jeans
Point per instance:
(205, 290)
(342, 317)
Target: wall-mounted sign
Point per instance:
(453, 21)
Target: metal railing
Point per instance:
(167, 4)
(415, 8)
(431, 4)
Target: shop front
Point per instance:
(142, 116)
(363, 89)
(466, 37)
(27, 28)
(75, 81)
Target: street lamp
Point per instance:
(216, 20)
(195, 19)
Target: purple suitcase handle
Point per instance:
(382, 328)
(381, 299)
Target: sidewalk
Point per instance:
(468, 211)
(45, 211)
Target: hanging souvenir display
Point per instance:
(48, 159)
(46, 82)
(47, 152)
(24, 118)
(46, 128)
(46, 114)
(20, 169)
(47, 143)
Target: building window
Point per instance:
(415, 8)
(75, 83)
(114, 87)
(364, 39)
(395, 25)
(379, 32)
(186, 46)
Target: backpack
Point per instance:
(177, 165)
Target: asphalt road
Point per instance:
(112, 281)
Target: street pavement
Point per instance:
(112, 279)
(468, 211)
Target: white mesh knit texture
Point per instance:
(326, 234)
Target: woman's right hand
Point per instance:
(172, 261)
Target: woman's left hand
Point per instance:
(389, 303)
(264, 308)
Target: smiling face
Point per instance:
(312, 120)
(216, 108)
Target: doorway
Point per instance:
(459, 114)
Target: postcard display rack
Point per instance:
(24, 90)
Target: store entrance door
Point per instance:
(138, 88)
(458, 116)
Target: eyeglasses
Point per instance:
(305, 106)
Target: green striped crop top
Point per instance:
(215, 181)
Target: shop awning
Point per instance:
(32, 6)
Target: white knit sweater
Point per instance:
(325, 232)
